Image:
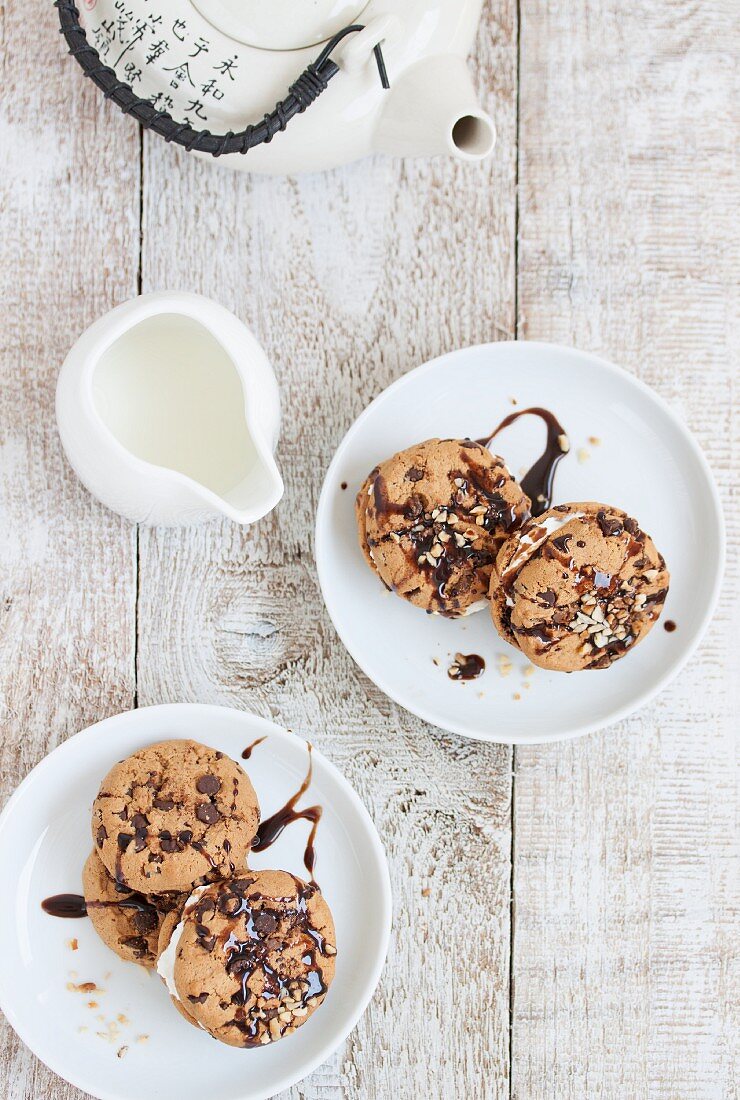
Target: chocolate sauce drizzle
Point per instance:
(65, 905)
(250, 748)
(272, 827)
(537, 483)
(466, 667)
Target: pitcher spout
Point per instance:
(258, 491)
(433, 109)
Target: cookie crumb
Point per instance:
(594, 441)
(142, 1038)
(516, 696)
(72, 945)
(426, 892)
(504, 664)
(83, 987)
(92, 1004)
(122, 1019)
(82, 1030)
(583, 455)
(122, 1052)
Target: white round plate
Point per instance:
(644, 461)
(44, 841)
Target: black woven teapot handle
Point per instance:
(301, 94)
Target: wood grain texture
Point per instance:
(69, 214)
(349, 279)
(626, 874)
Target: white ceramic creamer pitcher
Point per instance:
(169, 412)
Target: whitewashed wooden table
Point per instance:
(565, 917)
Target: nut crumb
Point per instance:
(504, 664)
(72, 945)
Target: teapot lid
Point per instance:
(281, 24)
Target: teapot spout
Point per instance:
(433, 109)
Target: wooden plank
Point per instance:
(625, 895)
(350, 279)
(69, 217)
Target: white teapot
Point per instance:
(207, 74)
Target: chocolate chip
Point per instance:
(163, 803)
(608, 526)
(167, 841)
(204, 907)
(137, 944)
(185, 835)
(631, 526)
(140, 844)
(124, 839)
(145, 921)
(207, 813)
(208, 784)
(205, 941)
(415, 507)
(548, 597)
(265, 922)
(229, 904)
(562, 542)
(581, 544)
(199, 1000)
(123, 814)
(102, 834)
(414, 474)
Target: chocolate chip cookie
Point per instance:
(432, 518)
(172, 815)
(578, 587)
(126, 921)
(251, 958)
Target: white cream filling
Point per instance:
(479, 605)
(166, 961)
(528, 544)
